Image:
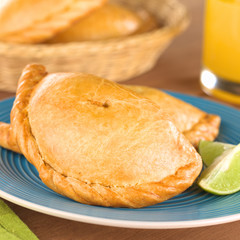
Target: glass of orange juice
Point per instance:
(220, 75)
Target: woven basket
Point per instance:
(115, 59)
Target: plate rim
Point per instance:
(119, 223)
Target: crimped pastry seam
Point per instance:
(89, 193)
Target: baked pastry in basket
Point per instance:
(194, 123)
(31, 21)
(98, 142)
(109, 21)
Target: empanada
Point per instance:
(33, 21)
(195, 124)
(98, 142)
(148, 21)
(109, 21)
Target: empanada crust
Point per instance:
(141, 158)
(109, 21)
(194, 123)
(31, 21)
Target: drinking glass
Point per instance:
(220, 75)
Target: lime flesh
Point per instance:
(209, 150)
(222, 177)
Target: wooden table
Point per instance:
(177, 70)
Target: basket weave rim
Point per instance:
(173, 29)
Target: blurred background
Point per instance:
(177, 67)
(153, 43)
(180, 65)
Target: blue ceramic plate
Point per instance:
(20, 184)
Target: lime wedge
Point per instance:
(222, 177)
(209, 150)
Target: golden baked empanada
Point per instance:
(109, 21)
(194, 123)
(98, 142)
(33, 21)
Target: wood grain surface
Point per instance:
(177, 70)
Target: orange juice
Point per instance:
(221, 51)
